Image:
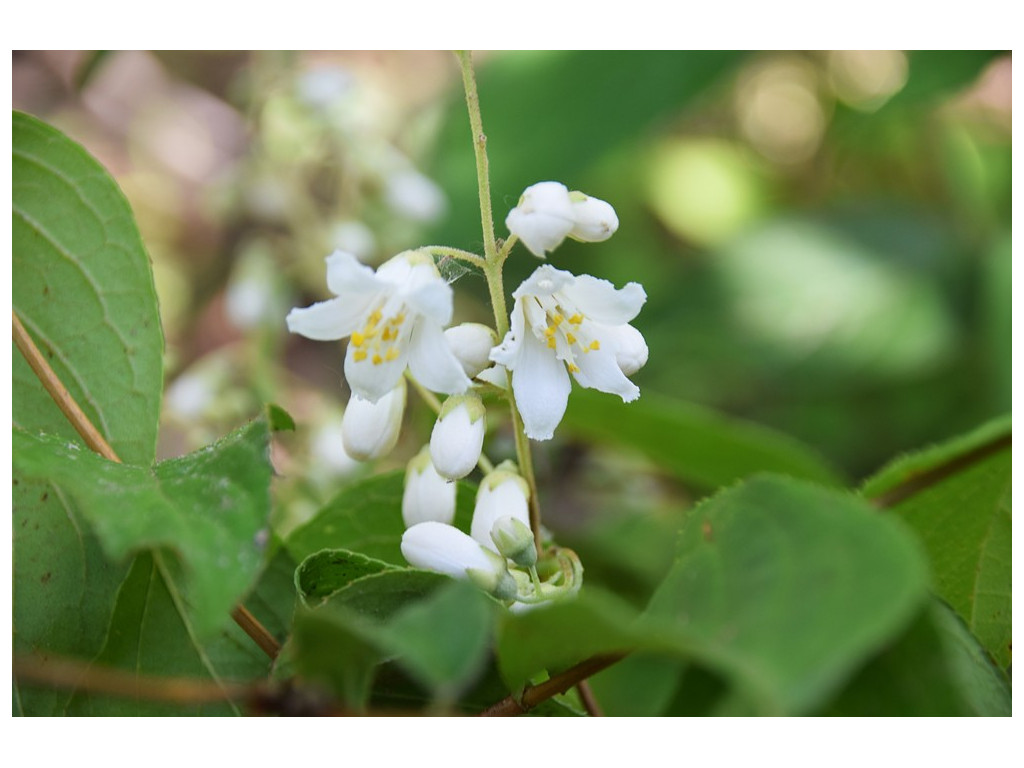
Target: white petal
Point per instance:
(372, 382)
(370, 430)
(427, 496)
(595, 220)
(541, 386)
(444, 549)
(507, 353)
(345, 275)
(544, 281)
(328, 320)
(601, 301)
(457, 441)
(496, 375)
(598, 370)
(471, 343)
(543, 217)
(628, 345)
(432, 362)
(433, 300)
(507, 499)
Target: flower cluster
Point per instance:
(562, 327)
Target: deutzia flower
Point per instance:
(458, 436)
(444, 549)
(395, 317)
(427, 495)
(370, 430)
(472, 344)
(561, 321)
(548, 212)
(502, 493)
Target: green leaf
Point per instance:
(64, 588)
(444, 640)
(151, 635)
(785, 587)
(380, 596)
(558, 636)
(83, 288)
(280, 420)
(367, 518)
(956, 496)
(696, 444)
(936, 669)
(641, 685)
(209, 507)
(324, 573)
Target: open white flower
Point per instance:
(559, 322)
(395, 317)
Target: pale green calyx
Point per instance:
(514, 540)
(472, 402)
(496, 580)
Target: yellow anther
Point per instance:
(549, 331)
(573, 368)
(570, 338)
(557, 319)
(389, 334)
(576, 319)
(374, 317)
(551, 342)
(358, 339)
(360, 354)
(377, 359)
(398, 319)
(391, 354)
(595, 344)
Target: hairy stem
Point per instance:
(493, 263)
(95, 440)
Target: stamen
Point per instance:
(358, 339)
(551, 342)
(391, 354)
(595, 344)
(570, 338)
(359, 355)
(377, 359)
(576, 319)
(573, 368)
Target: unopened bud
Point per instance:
(458, 436)
(543, 217)
(445, 549)
(502, 493)
(472, 343)
(514, 540)
(370, 430)
(427, 495)
(593, 220)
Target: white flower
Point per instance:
(561, 321)
(444, 549)
(502, 493)
(543, 218)
(471, 343)
(395, 318)
(548, 213)
(427, 495)
(458, 436)
(370, 430)
(593, 220)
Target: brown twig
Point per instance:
(536, 694)
(589, 700)
(920, 482)
(95, 440)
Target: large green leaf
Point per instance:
(784, 588)
(956, 496)
(696, 444)
(936, 669)
(208, 507)
(83, 288)
(366, 517)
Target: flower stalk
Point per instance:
(492, 267)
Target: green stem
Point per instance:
(493, 262)
(456, 253)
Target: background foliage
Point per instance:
(825, 242)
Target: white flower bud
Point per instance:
(543, 217)
(458, 436)
(444, 549)
(472, 343)
(514, 540)
(427, 495)
(629, 347)
(502, 493)
(595, 220)
(370, 430)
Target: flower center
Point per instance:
(561, 326)
(380, 339)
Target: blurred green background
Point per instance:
(824, 237)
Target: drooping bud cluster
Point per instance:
(548, 213)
